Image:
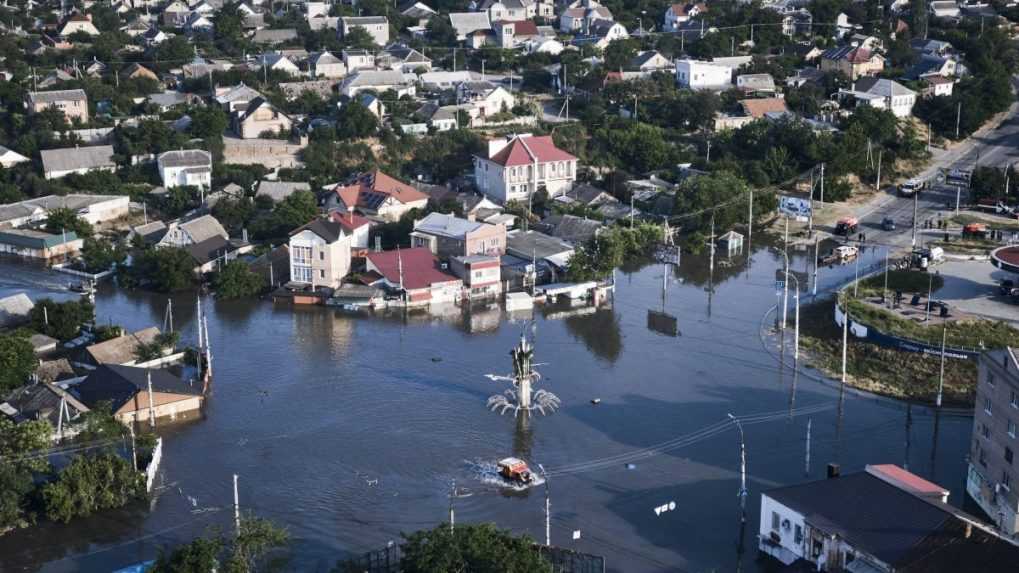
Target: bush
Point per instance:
(91, 484)
(17, 361)
(236, 280)
(480, 547)
(61, 320)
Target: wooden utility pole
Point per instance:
(152, 407)
(237, 509)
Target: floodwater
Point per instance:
(351, 430)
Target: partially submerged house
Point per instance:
(139, 394)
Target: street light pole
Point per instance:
(930, 291)
(742, 470)
(548, 509)
(941, 378)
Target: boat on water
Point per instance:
(515, 470)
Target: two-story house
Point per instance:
(853, 62)
(485, 98)
(358, 60)
(376, 194)
(182, 234)
(678, 14)
(192, 167)
(448, 236)
(376, 26)
(319, 254)
(516, 168)
(481, 275)
(698, 75)
(577, 16)
(326, 65)
(882, 94)
(72, 103)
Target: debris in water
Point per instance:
(436, 359)
(631, 466)
(596, 401)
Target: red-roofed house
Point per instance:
(511, 34)
(853, 62)
(376, 194)
(354, 225)
(415, 272)
(516, 168)
(678, 14)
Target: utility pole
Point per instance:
(930, 291)
(958, 118)
(237, 508)
(914, 217)
(707, 158)
(822, 184)
(742, 470)
(635, 109)
(548, 508)
(806, 460)
(941, 378)
(452, 518)
(877, 185)
(134, 450)
(785, 277)
(796, 327)
(631, 210)
(152, 408)
(856, 278)
(884, 292)
(817, 247)
(845, 335)
(711, 262)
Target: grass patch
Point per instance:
(968, 245)
(906, 281)
(965, 333)
(991, 222)
(906, 375)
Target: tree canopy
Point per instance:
(17, 361)
(481, 547)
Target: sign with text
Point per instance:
(796, 207)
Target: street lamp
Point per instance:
(796, 299)
(742, 469)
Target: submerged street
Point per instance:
(349, 430)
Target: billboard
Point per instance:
(796, 207)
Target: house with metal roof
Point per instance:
(446, 235)
(274, 36)
(403, 58)
(326, 65)
(260, 116)
(46, 247)
(376, 26)
(852, 61)
(415, 274)
(92, 208)
(140, 394)
(375, 194)
(236, 97)
(882, 94)
(280, 190)
(9, 158)
(379, 81)
(120, 350)
(58, 163)
(517, 167)
(466, 23)
(185, 167)
(183, 233)
(15, 309)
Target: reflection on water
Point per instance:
(599, 331)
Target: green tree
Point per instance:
(237, 280)
(296, 210)
(164, 270)
(61, 320)
(356, 121)
(359, 39)
(199, 556)
(63, 219)
(90, 484)
(634, 145)
(17, 361)
(208, 122)
(619, 53)
(481, 547)
(242, 553)
(16, 469)
(100, 255)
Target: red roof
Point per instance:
(378, 182)
(908, 479)
(519, 152)
(858, 56)
(349, 221)
(420, 267)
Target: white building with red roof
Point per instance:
(417, 274)
(354, 225)
(376, 195)
(516, 168)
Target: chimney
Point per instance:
(834, 470)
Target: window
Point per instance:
(1011, 429)
(985, 431)
(1006, 479)
(1008, 455)
(983, 458)
(987, 406)
(321, 255)
(1013, 400)
(798, 536)
(321, 273)
(302, 274)
(990, 380)
(301, 255)
(775, 521)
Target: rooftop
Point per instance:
(118, 384)
(185, 158)
(73, 158)
(121, 350)
(525, 150)
(418, 268)
(444, 225)
(57, 96)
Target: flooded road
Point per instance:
(349, 430)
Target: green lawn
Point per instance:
(906, 281)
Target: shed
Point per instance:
(731, 243)
(14, 310)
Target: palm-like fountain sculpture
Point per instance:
(521, 397)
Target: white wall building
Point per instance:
(697, 75)
(376, 26)
(191, 167)
(516, 168)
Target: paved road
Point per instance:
(995, 147)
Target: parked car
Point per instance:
(847, 226)
(1006, 287)
(888, 224)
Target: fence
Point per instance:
(153, 467)
(871, 334)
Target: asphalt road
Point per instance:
(997, 148)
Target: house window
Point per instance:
(990, 380)
(302, 274)
(1006, 479)
(301, 255)
(983, 458)
(775, 520)
(987, 406)
(985, 431)
(1011, 429)
(1013, 399)
(321, 255)
(321, 273)
(1008, 455)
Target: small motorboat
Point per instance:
(80, 286)
(515, 470)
